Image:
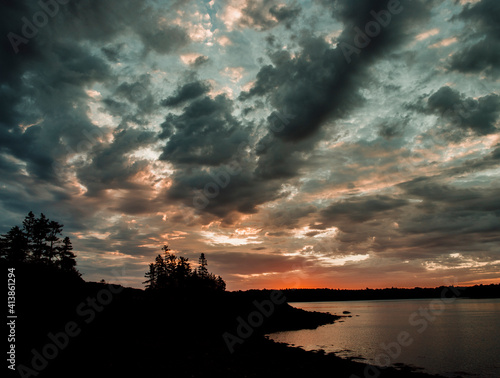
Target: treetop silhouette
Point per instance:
(39, 242)
(172, 272)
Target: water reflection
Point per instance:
(461, 338)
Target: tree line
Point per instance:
(39, 241)
(172, 272)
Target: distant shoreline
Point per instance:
(324, 294)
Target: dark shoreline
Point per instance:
(147, 334)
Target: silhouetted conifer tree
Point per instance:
(171, 271)
(67, 260)
(38, 242)
(202, 269)
(151, 277)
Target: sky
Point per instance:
(304, 143)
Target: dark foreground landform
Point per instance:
(70, 328)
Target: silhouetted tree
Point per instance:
(14, 245)
(151, 277)
(182, 271)
(29, 230)
(67, 261)
(171, 272)
(160, 271)
(38, 242)
(220, 284)
(202, 269)
(40, 235)
(54, 229)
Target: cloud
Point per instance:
(318, 85)
(165, 40)
(139, 123)
(200, 60)
(206, 133)
(187, 92)
(111, 167)
(358, 210)
(482, 55)
(451, 210)
(287, 215)
(56, 125)
(393, 127)
(219, 193)
(103, 20)
(45, 85)
(254, 263)
(478, 115)
(260, 15)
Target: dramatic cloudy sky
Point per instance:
(271, 135)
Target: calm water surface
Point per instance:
(461, 337)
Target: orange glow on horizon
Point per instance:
(277, 284)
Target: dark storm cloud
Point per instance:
(112, 52)
(101, 20)
(136, 91)
(141, 101)
(483, 54)
(209, 148)
(165, 40)
(285, 14)
(279, 160)
(240, 192)
(8, 167)
(393, 127)
(359, 210)
(288, 215)
(101, 62)
(479, 115)
(319, 83)
(110, 167)
(450, 209)
(44, 84)
(115, 108)
(206, 133)
(474, 198)
(51, 96)
(187, 92)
